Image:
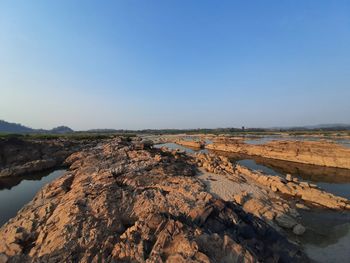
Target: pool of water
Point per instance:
(327, 238)
(18, 191)
(333, 180)
(175, 146)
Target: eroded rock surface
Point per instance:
(288, 186)
(226, 182)
(192, 144)
(19, 157)
(308, 152)
(121, 202)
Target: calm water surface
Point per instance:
(18, 191)
(175, 146)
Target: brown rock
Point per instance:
(122, 203)
(317, 153)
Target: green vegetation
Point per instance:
(104, 134)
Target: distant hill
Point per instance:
(329, 126)
(8, 127)
(321, 127)
(13, 127)
(61, 129)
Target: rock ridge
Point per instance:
(123, 202)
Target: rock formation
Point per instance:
(287, 186)
(19, 157)
(308, 152)
(122, 202)
(192, 144)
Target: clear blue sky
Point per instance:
(174, 64)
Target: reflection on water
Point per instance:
(17, 191)
(175, 146)
(327, 237)
(251, 164)
(333, 180)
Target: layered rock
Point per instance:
(226, 182)
(120, 202)
(292, 187)
(192, 144)
(308, 152)
(289, 185)
(19, 157)
(308, 172)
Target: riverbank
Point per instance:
(123, 201)
(307, 152)
(203, 200)
(26, 156)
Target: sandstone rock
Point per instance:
(302, 206)
(151, 210)
(301, 190)
(274, 188)
(240, 198)
(3, 258)
(289, 177)
(193, 144)
(295, 180)
(317, 153)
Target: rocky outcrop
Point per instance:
(192, 144)
(287, 186)
(308, 152)
(301, 190)
(308, 172)
(122, 202)
(19, 157)
(227, 183)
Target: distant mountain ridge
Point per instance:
(8, 127)
(330, 127)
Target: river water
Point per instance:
(17, 191)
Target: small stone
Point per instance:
(302, 206)
(298, 229)
(238, 199)
(269, 215)
(304, 184)
(285, 221)
(288, 177)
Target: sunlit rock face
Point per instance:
(124, 202)
(308, 152)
